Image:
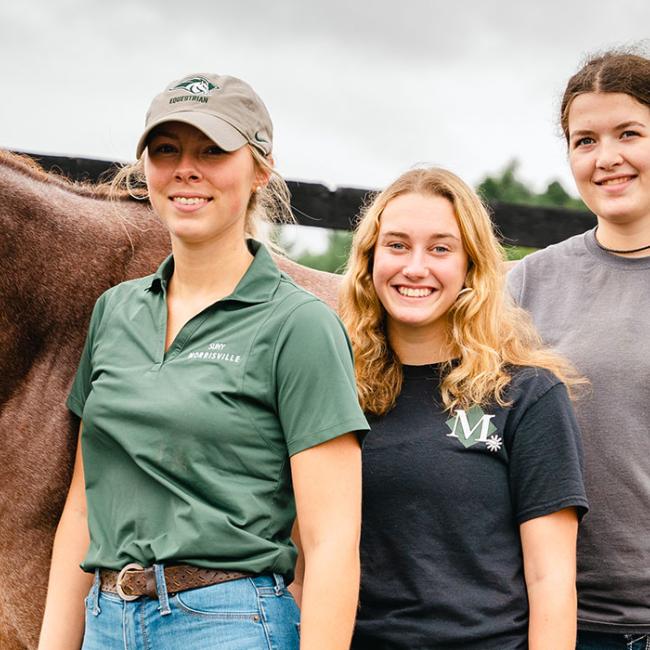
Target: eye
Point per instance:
(625, 135)
(583, 142)
(162, 148)
(214, 150)
(396, 246)
(440, 249)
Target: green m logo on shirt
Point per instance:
(474, 426)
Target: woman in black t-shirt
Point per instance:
(472, 471)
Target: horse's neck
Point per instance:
(58, 251)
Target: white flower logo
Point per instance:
(493, 443)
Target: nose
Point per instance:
(187, 169)
(608, 155)
(415, 266)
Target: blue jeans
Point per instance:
(607, 641)
(244, 614)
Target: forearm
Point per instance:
(295, 588)
(329, 596)
(63, 621)
(553, 613)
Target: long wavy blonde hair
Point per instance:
(488, 333)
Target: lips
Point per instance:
(189, 200)
(414, 292)
(614, 180)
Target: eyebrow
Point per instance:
(437, 235)
(618, 127)
(160, 133)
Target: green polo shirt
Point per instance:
(186, 453)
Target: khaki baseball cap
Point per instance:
(225, 108)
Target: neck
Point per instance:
(625, 236)
(419, 346)
(208, 271)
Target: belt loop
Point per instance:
(279, 584)
(94, 594)
(161, 589)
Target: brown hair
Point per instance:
(615, 71)
(487, 332)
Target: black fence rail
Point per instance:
(317, 205)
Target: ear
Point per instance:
(263, 174)
(144, 159)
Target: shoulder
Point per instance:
(297, 307)
(127, 289)
(529, 384)
(538, 391)
(305, 331)
(543, 267)
(551, 255)
(118, 295)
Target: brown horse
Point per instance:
(62, 244)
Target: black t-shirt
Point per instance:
(443, 498)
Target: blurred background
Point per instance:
(358, 91)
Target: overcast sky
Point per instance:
(358, 91)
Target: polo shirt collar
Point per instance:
(258, 284)
(162, 275)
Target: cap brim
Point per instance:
(218, 130)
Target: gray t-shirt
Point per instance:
(594, 307)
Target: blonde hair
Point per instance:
(488, 333)
(271, 204)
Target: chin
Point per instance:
(187, 236)
(620, 215)
(417, 322)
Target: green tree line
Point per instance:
(504, 187)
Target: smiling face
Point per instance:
(200, 192)
(609, 153)
(419, 266)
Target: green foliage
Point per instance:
(333, 259)
(336, 255)
(518, 252)
(507, 188)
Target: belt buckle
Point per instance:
(118, 583)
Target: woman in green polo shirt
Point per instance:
(217, 398)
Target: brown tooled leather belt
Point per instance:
(134, 581)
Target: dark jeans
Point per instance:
(607, 641)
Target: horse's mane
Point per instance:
(26, 165)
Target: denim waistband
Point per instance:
(161, 589)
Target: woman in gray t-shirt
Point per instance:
(588, 297)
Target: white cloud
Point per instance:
(358, 91)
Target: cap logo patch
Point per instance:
(199, 88)
(261, 138)
(196, 86)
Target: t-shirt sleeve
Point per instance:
(515, 281)
(83, 379)
(315, 385)
(546, 458)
